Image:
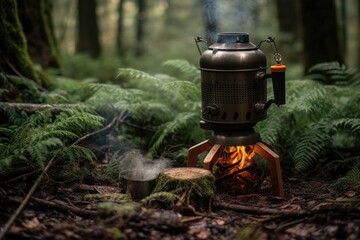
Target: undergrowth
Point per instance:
(317, 130)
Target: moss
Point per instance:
(108, 197)
(35, 17)
(126, 209)
(199, 190)
(13, 49)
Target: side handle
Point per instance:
(278, 81)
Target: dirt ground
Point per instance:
(312, 209)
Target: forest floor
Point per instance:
(312, 209)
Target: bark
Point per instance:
(120, 30)
(358, 34)
(88, 32)
(320, 35)
(140, 27)
(15, 59)
(286, 14)
(36, 19)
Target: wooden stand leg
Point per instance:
(274, 167)
(211, 157)
(194, 151)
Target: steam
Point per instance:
(135, 166)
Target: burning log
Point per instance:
(196, 183)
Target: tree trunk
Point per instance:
(14, 59)
(120, 30)
(36, 19)
(358, 36)
(287, 12)
(88, 32)
(320, 33)
(210, 20)
(141, 19)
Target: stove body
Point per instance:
(234, 99)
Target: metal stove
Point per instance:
(234, 98)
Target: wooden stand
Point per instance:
(260, 148)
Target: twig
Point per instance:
(43, 173)
(27, 197)
(23, 176)
(252, 209)
(57, 204)
(110, 125)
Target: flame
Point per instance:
(235, 169)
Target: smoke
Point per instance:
(135, 166)
(240, 15)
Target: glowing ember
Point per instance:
(235, 169)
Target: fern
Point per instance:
(74, 152)
(40, 135)
(352, 177)
(333, 73)
(170, 128)
(310, 145)
(188, 70)
(317, 117)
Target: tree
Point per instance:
(287, 15)
(36, 19)
(88, 32)
(320, 35)
(120, 30)
(140, 23)
(15, 59)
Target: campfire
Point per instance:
(235, 169)
(233, 94)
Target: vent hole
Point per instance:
(224, 116)
(236, 115)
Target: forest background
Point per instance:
(84, 82)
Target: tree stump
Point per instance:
(195, 186)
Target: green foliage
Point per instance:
(166, 107)
(20, 89)
(38, 137)
(319, 120)
(81, 66)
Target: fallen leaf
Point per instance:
(33, 224)
(350, 193)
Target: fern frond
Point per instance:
(352, 177)
(310, 145)
(185, 95)
(140, 79)
(41, 151)
(181, 121)
(76, 152)
(351, 124)
(107, 95)
(308, 102)
(150, 113)
(333, 73)
(272, 128)
(77, 123)
(188, 70)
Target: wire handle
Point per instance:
(197, 40)
(271, 41)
